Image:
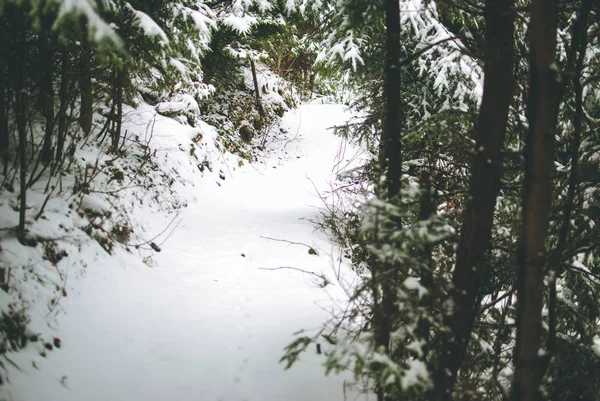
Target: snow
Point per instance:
(417, 372)
(87, 9)
(413, 283)
(348, 49)
(290, 6)
(148, 25)
(241, 24)
(169, 108)
(203, 19)
(95, 204)
(181, 104)
(179, 66)
(238, 18)
(204, 319)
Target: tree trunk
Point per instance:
(390, 145)
(537, 199)
(278, 65)
(21, 118)
(484, 187)
(259, 104)
(47, 91)
(85, 83)
(116, 134)
(4, 105)
(63, 94)
(575, 61)
(121, 77)
(384, 312)
(426, 210)
(313, 78)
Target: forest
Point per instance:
(469, 226)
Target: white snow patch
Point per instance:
(413, 283)
(148, 25)
(206, 322)
(415, 374)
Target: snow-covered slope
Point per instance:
(208, 321)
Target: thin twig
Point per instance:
(286, 241)
(157, 235)
(321, 276)
(12, 363)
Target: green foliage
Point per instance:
(220, 66)
(394, 242)
(52, 253)
(13, 326)
(293, 351)
(120, 233)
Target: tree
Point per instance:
(486, 174)
(454, 296)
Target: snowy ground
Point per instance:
(208, 322)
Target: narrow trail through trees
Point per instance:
(208, 322)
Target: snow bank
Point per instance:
(183, 103)
(107, 208)
(207, 320)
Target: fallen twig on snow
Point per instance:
(289, 242)
(151, 243)
(320, 276)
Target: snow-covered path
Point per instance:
(209, 323)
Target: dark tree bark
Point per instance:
(391, 145)
(120, 81)
(63, 94)
(4, 97)
(390, 154)
(391, 157)
(575, 61)
(259, 104)
(20, 108)
(46, 55)
(484, 187)
(426, 210)
(537, 199)
(118, 100)
(311, 83)
(4, 103)
(85, 83)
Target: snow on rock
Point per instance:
(95, 204)
(267, 79)
(181, 104)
